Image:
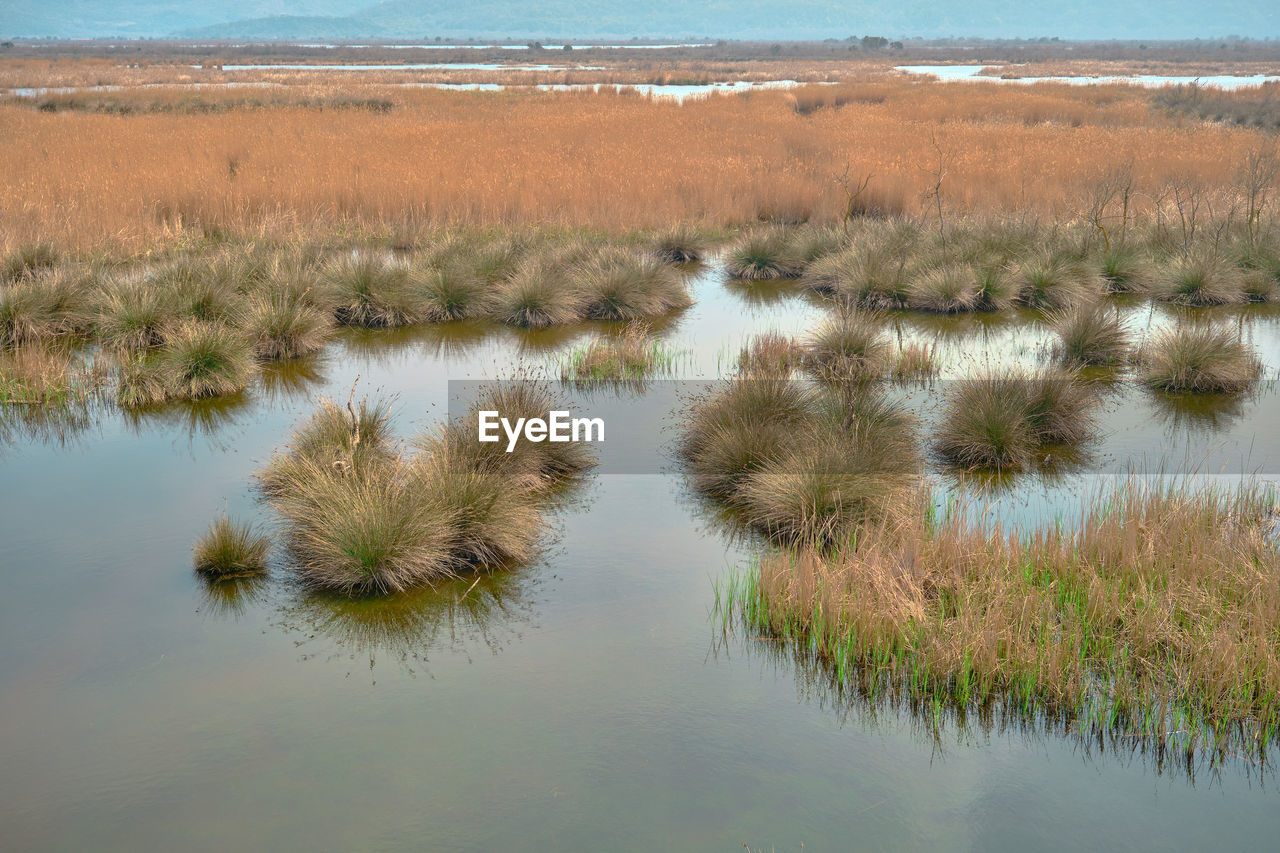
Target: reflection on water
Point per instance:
(863, 700)
(281, 381)
(211, 418)
(485, 610)
(231, 597)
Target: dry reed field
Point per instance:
(147, 168)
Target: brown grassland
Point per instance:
(125, 170)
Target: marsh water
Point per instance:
(590, 700)
(949, 73)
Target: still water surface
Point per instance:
(588, 701)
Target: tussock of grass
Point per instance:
(949, 289)
(537, 296)
(851, 464)
(363, 530)
(1089, 335)
(448, 294)
(198, 361)
(1008, 422)
(864, 275)
(1153, 617)
(1199, 358)
(367, 290)
(362, 518)
(29, 259)
(1125, 270)
(134, 316)
(850, 347)
(282, 325)
(1054, 282)
(763, 254)
(681, 245)
(229, 549)
(1201, 279)
(621, 285)
(734, 430)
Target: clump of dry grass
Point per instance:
(849, 347)
(1152, 617)
(763, 254)
(536, 296)
(363, 518)
(871, 273)
(681, 245)
(948, 289)
(1201, 279)
(283, 325)
(134, 316)
(735, 429)
(1089, 335)
(1198, 358)
(230, 550)
(1053, 281)
(198, 360)
(855, 461)
(1126, 270)
(1007, 422)
(621, 285)
(365, 289)
(450, 294)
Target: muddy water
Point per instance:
(587, 701)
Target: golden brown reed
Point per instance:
(608, 160)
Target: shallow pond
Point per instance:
(588, 701)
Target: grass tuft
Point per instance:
(1199, 358)
(229, 549)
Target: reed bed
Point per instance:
(1153, 617)
(512, 158)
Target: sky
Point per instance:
(754, 19)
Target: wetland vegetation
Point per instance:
(975, 399)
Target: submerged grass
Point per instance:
(632, 355)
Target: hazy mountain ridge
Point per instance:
(757, 19)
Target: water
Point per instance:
(658, 90)
(587, 701)
(949, 73)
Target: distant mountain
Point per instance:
(753, 19)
